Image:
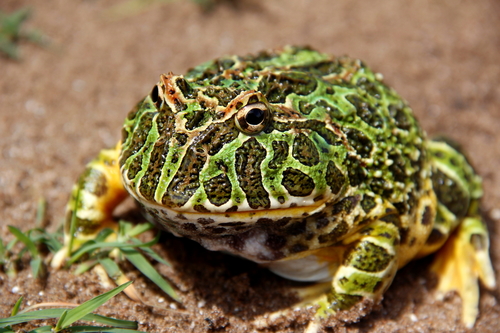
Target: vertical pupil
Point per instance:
(254, 116)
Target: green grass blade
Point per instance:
(24, 239)
(6, 330)
(43, 329)
(103, 234)
(85, 266)
(15, 310)
(151, 253)
(104, 245)
(129, 324)
(60, 322)
(50, 240)
(36, 266)
(56, 313)
(111, 268)
(138, 260)
(97, 329)
(40, 212)
(72, 225)
(80, 311)
(139, 229)
(28, 316)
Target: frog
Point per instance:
(303, 162)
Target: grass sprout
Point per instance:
(122, 244)
(33, 240)
(67, 317)
(134, 7)
(106, 248)
(12, 32)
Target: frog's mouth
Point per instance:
(243, 217)
(260, 236)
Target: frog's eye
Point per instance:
(252, 118)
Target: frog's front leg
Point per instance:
(93, 199)
(369, 264)
(360, 267)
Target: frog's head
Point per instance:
(240, 145)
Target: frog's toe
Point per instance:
(461, 262)
(60, 258)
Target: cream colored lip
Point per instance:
(243, 216)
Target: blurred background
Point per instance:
(71, 70)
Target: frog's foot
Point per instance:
(93, 200)
(461, 261)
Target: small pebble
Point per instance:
(495, 213)
(15, 290)
(413, 318)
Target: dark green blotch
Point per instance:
(401, 117)
(355, 171)
(297, 183)
(186, 180)
(365, 111)
(248, 159)
(368, 257)
(280, 153)
(335, 235)
(450, 193)
(380, 186)
(223, 94)
(276, 87)
(368, 203)
(368, 86)
(331, 110)
(334, 177)
(218, 189)
(219, 135)
(304, 150)
(398, 166)
(94, 181)
(345, 205)
(195, 119)
(359, 141)
(342, 301)
(150, 180)
(134, 167)
(305, 107)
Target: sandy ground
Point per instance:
(60, 105)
